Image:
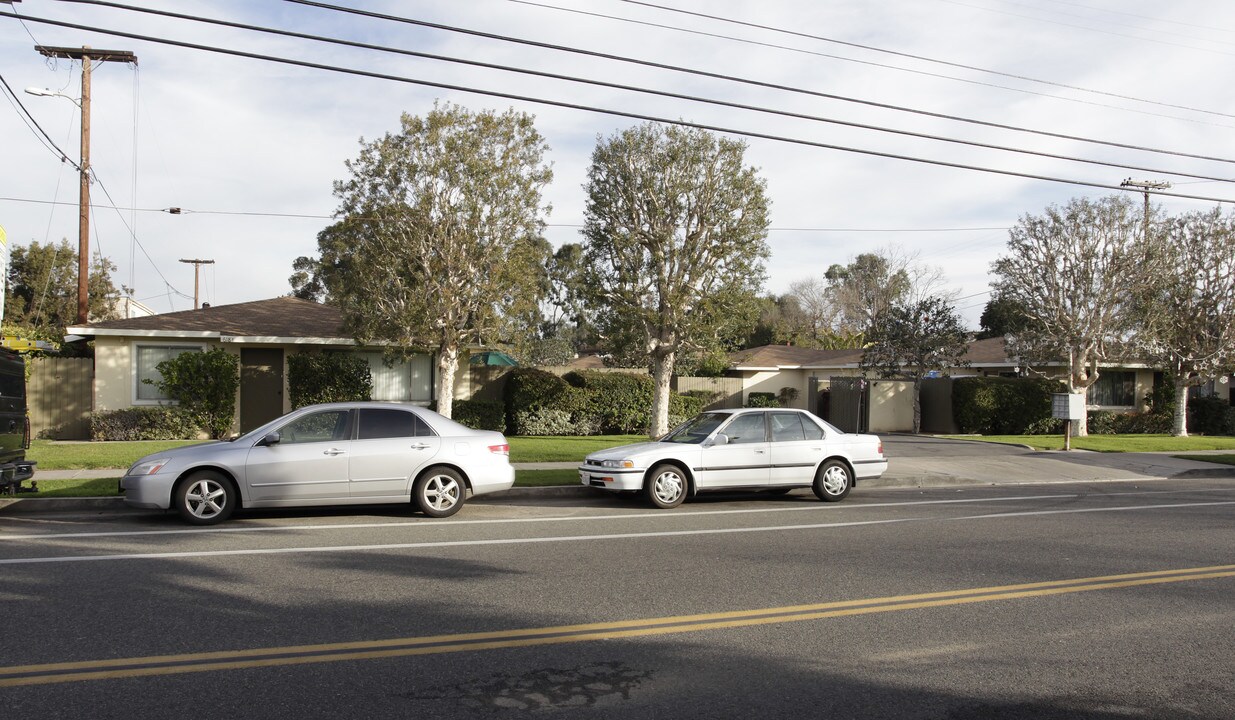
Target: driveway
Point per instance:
(923, 446)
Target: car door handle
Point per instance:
(333, 451)
(421, 446)
(759, 452)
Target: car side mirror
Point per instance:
(720, 439)
(271, 439)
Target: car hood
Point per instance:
(644, 451)
(190, 453)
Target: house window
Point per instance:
(148, 358)
(1113, 389)
(403, 380)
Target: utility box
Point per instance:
(1067, 406)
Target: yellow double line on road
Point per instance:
(432, 645)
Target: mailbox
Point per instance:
(1067, 406)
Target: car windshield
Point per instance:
(696, 430)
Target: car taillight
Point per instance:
(503, 449)
(880, 447)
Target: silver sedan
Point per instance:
(746, 449)
(332, 454)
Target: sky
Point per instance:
(249, 149)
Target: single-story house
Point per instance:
(889, 403)
(261, 333)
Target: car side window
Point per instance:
(325, 426)
(389, 423)
(786, 427)
(746, 429)
(812, 429)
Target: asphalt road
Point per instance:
(1109, 600)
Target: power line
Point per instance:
(870, 63)
(600, 110)
(648, 91)
(923, 58)
(33, 124)
(745, 81)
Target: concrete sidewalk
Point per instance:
(1018, 466)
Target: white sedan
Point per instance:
(746, 449)
(331, 454)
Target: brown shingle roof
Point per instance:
(776, 356)
(277, 317)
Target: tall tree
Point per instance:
(1079, 273)
(41, 298)
(910, 341)
(1191, 312)
(1001, 316)
(675, 228)
(875, 281)
(439, 242)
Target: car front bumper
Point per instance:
(611, 478)
(148, 491)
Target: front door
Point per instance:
(310, 461)
(742, 461)
(261, 386)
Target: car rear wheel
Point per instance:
(439, 493)
(833, 481)
(665, 487)
(205, 498)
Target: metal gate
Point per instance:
(849, 403)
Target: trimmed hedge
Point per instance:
(588, 403)
(1002, 406)
(762, 400)
(327, 377)
(1103, 422)
(165, 422)
(480, 414)
(1210, 416)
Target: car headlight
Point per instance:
(617, 463)
(149, 467)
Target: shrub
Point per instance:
(762, 400)
(1211, 416)
(327, 377)
(1101, 422)
(548, 421)
(622, 402)
(786, 396)
(143, 423)
(1002, 406)
(480, 414)
(205, 385)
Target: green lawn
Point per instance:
(52, 455)
(564, 449)
(1113, 443)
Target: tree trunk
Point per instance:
(1181, 405)
(447, 366)
(917, 405)
(662, 373)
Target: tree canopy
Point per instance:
(1078, 272)
(910, 341)
(41, 298)
(439, 245)
(675, 228)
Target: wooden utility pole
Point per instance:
(1145, 186)
(85, 54)
(197, 266)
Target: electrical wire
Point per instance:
(746, 81)
(605, 111)
(34, 126)
(659, 93)
(863, 62)
(922, 58)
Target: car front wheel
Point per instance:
(205, 498)
(439, 493)
(833, 481)
(665, 487)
